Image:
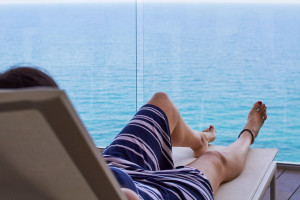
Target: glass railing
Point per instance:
(89, 49)
(213, 60)
(216, 60)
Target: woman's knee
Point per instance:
(219, 158)
(160, 97)
(162, 100)
(219, 163)
(227, 164)
(213, 165)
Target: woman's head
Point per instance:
(22, 77)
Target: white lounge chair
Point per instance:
(252, 183)
(46, 153)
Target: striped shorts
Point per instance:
(143, 150)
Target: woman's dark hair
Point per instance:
(21, 77)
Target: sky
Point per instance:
(155, 1)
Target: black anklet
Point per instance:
(249, 132)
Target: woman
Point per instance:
(141, 155)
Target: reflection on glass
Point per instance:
(89, 49)
(216, 60)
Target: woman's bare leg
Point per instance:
(225, 165)
(181, 134)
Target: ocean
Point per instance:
(213, 60)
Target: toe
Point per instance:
(210, 129)
(213, 129)
(262, 109)
(257, 105)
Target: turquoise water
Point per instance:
(214, 61)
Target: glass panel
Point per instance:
(216, 60)
(89, 49)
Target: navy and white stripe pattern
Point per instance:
(143, 150)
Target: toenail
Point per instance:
(259, 102)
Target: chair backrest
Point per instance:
(46, 152)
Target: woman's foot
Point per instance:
(210, 133)
(256, 118)
(206, 136)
